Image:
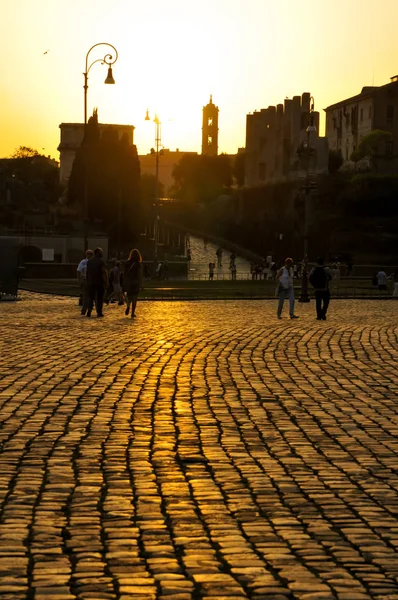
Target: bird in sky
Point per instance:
(46, 52)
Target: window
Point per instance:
(210, 121)
(209, 140)
(389, 149)
(390, 112)
(361, 115)
(262, 171)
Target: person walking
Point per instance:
(82, 279)
(285, 289)
(211, 270)
(319, 279)
(382, 280)
(97, 280)
(132, 280)
(219, 257)
(115, 280)
(233, 271)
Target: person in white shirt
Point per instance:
(382, 280)
(285, 289)
(82, 279)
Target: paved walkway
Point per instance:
(202, 450)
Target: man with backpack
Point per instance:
(319, 279)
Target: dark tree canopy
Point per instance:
(29, 186)
(201, 178)
(109, 167)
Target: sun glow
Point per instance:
(248, 53)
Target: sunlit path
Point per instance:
(204, 252)
(201, 450)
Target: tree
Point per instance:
(335, 161)
(201, 178)
(370, 147)
(24, 152)
(148, 189)
(29, 188)
(110, 169)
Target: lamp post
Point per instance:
(156, 151)
(308, 151)
(109, 60)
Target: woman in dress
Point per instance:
(132, 281)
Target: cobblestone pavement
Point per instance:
(201, 450)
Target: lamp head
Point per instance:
(109, 78)
(147, 117)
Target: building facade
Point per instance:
(273, 136)
(348, 121)
(167, 161)
(210, 129)
(71, 138)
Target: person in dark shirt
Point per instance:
(97, 280)
(132, 281)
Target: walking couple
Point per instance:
(319, 278)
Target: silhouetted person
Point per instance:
(319, 279)
(132, 280)
(382, 280)
(82, 279)
(285, 288)
(211, 270)
(219, 257)
(97, 279)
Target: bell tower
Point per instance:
(210, 129)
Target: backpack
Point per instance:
(318, 278)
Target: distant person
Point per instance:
(132, 280)
(97, 280)
(350, 269)
(232, 259)
(274, 270)
(233, 271)
(285, 288)
(115, 279)
(212, 266)
(82, 279)
(147, 274)
(319, 279)
(205, 243)
(165, 270)
(219, 257)
(394, 279)
(336, 270)
(189, 255)
(382, 280)
(159, 271)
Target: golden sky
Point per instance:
(173, 53)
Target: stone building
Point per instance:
(210, 129)
(167, 161)
(348, 121)
(273, 136)
(71, 138)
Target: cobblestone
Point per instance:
(201, 450)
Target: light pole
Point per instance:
(109, 60)
(156, 151)
(308, 151)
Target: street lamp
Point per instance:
(308, 151)
(156, 151)
(109, 60)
